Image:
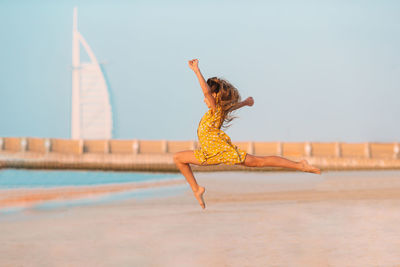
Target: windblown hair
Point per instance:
(227, 97)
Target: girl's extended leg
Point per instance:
(276, 161)
(182, 161)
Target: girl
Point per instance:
(222, 98)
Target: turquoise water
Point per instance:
(138, 194)
(15, 179)
(11, 178)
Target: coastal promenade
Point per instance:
(157, 155)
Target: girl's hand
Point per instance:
(194, 64)
(249, 101)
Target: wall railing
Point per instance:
(157, 155)
(115, 146)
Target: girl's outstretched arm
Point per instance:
(248, 102)
(194, 65)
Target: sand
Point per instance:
(251, 219)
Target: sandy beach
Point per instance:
(251, 219)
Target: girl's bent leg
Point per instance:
(276, 161)
(182, 161)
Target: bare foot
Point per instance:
(199, 196)
(308, 168)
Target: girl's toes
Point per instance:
(308, 168)
(199, 196)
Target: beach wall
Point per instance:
(157, 155)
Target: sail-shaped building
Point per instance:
(91, 109)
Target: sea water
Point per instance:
(34, 179)
(12, 178)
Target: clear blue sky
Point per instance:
(318, 70)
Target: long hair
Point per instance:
(227, 97)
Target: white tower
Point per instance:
(91, 109)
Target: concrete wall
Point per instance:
(12, 144)
(325, 149)
(267, 148)
(67, 146)
(353, 150)
(121, 146)
(96, 146)
(244, 146)
(286, 149)
(176, 146)
(293, 149)
(36, 145)
(152, 147)
(382, 150)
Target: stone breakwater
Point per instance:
(157, 155)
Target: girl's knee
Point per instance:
(250, 161)
(177, 157)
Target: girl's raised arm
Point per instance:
(248, 102)
(194, 65)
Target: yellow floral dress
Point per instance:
(215, 144)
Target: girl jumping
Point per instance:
(222, 98)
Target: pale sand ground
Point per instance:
(252, 219)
